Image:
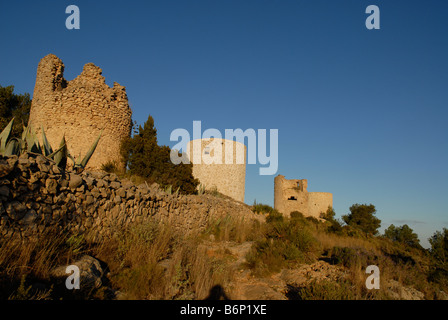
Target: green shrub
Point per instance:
(14, 106)
(145, 158)
(270, 255)
(297, 215)
(329, 214)
(439, 247)
(286, 242)
(362, 217)
(109, 167)
(229, 228)
(348, 257)
(403, 234)
(262, 208)
(322, 290)
(274, 216)
(335, 227)
(313, 220)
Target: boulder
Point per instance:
(51, 185)
(90, 272)
(75, 181)
(4, 191)
(16, 210)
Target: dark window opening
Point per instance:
(292, 198)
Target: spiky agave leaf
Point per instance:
(89, 154)
(12, 147)
(30, 142)
(73, 159)
(60, 155)
(23, 140)
(169, 189)
(4, 136)
(46, 147)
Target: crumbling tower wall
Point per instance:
(80, 109)
(292, 195)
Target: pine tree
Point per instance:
(362, 216)
(145, 158)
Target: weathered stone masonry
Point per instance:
(80, 109)
(229, 175)
(292, 195)
(35, 194)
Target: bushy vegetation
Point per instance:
(29, 143)
(286, 241)
(403, 234)
(362, 217)
(25, 263)
(145, 158)
(229, 228)
(14, 106)
(110, 167)
(261, 208)
(323, 290)
(152, 261)
(439, 247)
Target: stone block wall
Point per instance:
(228, 176)
(80, 109)
(292, 195)
(35, 194)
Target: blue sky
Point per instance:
(361, 113)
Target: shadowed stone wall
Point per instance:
(35, 194)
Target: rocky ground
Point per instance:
(244, 286)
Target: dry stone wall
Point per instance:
(80, 109)
(35, 194)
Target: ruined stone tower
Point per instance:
(220, 164)
(292, 195)
(80, 109)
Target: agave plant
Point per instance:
(61, 155)
(30, 143)
(7, 148)
(201, 189)
(169, 190)
(81, 164)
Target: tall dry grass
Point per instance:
(152, 261)
(397, 263)
(236, 229)
(23, 261)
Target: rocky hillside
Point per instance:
(35, 194)
(140, 242)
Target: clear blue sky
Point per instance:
(361, 113)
